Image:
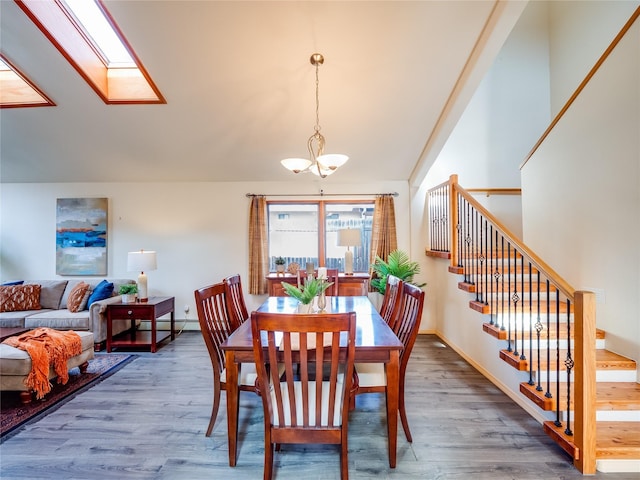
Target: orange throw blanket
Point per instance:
(47, 347)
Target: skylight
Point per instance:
(94, 23)
(87, 36)
(17, 91)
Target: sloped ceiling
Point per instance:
(240, 90)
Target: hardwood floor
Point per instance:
(147, 421)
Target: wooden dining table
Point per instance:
(375, 343)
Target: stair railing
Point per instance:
(549, 327)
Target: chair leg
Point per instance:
(403, 414)
(268, 458)
(344, 461)
(216, 405)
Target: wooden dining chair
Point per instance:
(390, 302)
(235, 300)
(216, 326)
(371, 377)
(332, 277)
(309, 402)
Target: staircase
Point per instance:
(617, 393)
(544, 329)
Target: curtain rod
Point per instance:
(321, 194)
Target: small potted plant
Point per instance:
(128, 292)
(307, 292)
(279, 261)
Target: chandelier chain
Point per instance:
(317, 127)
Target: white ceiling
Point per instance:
(240, 90)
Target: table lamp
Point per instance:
(142, 261)
(348, 237)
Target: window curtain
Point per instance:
(258, 248)
(383, 229)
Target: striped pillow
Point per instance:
(78, 296)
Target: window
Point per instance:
(308, 232)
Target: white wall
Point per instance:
(589, 167)
(498, 128)
(198, 229)
(579, 35)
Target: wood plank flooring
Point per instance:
(147, 421)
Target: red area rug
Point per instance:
(13, 414)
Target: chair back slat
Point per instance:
(235, 300)
(214, 319)
(391, 300)
(408, 319)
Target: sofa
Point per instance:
(45, 303)
(15, 366)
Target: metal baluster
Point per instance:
(509, 349)
(531, 382)
(539, 328)
(548, 392)
(558, 423)
(502, 284)
(467, 270)
(446, 218)
(459, 228)
(476, 256)
(569, 364)
(489, 279)
(522, 328)
(515, 298)
(483, 252)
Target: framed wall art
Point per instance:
(81, 236)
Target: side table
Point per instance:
(148, 311)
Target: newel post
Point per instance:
(585, 381)
(453, 219)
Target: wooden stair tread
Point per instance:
(614, 440)
(495, 331)
(618, 395)
(617, 440)
(609, 396)
(605, 360)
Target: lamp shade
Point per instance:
(144, 260)
(296, 165)
(349, 237)
(140, 262)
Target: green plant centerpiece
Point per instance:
(397, 264)
(128, 292)
(128, 289)
(306, 292)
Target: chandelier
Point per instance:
(319, 163)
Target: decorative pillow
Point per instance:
(103, 290)
(51, 293)
(76, 295)
(85, 299)
(16, 282)
(19, 297)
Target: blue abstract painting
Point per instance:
(81, 236)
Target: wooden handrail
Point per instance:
(496, 191)
(562, 285)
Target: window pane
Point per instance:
(353, 216)
(293, 233)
